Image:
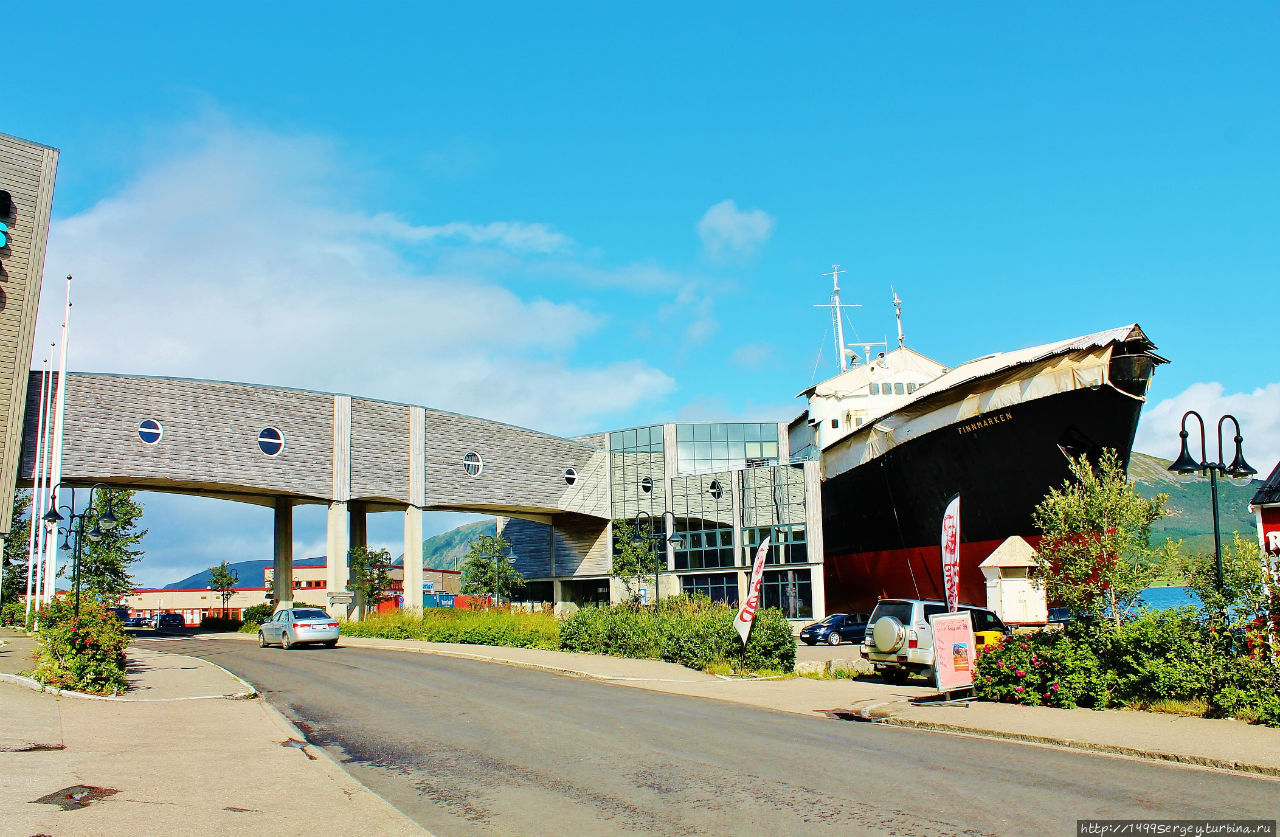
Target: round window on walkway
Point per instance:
(150, 431)
(271, 441)
(472, 464)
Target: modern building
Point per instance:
(719, 489)
(310, 586)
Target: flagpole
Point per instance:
(59, 425)
(37, 484)
(46, 446)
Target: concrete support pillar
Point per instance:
(337, 543)
(359, 525)
(813, 531)
(413, 558)
(282, 571)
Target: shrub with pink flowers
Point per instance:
(83, 653)
(1042, 669)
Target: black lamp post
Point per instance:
(1186, 465)
(651, 536)
(75, 525)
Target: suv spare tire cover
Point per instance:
(888, 634)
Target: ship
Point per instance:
(899, 434)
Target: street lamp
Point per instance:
(653, 537)
(75, 525)
(1237, 471)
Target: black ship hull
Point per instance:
(882, 520)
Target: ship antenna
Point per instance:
(897, 308)
(835, 306)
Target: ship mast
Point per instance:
(897, 308)
(842, 355)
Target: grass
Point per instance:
(1193, 708)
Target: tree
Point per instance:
(221, 580)
(370, 576)
(487, 569)
(635, 558)
(14, 588)
(105, 563)
(1095, 554)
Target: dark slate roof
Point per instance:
(1269, 494)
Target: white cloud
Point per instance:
(752, 355)
(245, 259)
(727, 231)
(1257, 411)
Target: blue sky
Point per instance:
(576, 218)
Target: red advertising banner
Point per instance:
(747, 613)
(954, 651)
(951, 553)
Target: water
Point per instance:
(1163, 598)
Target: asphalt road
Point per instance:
(467, 748)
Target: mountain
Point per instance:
(249, 572)
(1190, 505)
(446, 550)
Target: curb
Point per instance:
(37, 686)
(1087, 746)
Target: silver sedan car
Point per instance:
(298, 626)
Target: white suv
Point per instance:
(899, 640)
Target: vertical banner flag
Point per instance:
(747, 613)
(951, 553)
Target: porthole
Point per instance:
(271, 441)
(646, 485)
(570, 476)
(717, 490)
(472, 464)
(150, 431)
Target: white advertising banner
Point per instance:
(747, 613)
(951, 553)
(953, 651)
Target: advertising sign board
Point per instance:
(954, 651)
(951, 552)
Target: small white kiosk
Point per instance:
(1010, 591)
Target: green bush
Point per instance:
(1043, 669)
(690, 630)
(14, 613)
(255, 615)
(84, 653)
(510, 628)
(1161, 655)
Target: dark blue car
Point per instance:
(836, 628)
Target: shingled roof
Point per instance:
(1269, 494)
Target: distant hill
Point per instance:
(1190, 505)
(249, 572)
(446, 550)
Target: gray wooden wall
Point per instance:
(27, 173)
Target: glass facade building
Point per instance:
(728, 486)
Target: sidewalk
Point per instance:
(1223, 744)
(168, 759)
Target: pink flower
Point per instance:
(1001, 664)
(1054, 687)
(1020, 673)
(1019, 689)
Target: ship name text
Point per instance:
(984, 422)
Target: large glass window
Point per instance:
(791, 591)
(704, 521)
(721, 587)
(788, 544)
(703, 448)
